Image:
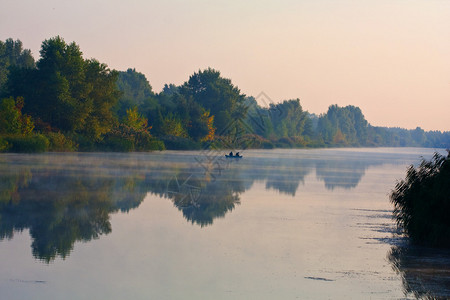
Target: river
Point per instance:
(276, 224)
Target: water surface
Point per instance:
(286, 224)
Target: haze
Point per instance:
(390, 58)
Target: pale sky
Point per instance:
(391, 58)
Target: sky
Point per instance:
(391, 58)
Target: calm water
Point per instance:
(277, 224)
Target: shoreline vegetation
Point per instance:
(422, 202)
(64, 102)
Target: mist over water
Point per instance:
(181, 225)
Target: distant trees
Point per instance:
(422, 201)
(289, 119)
(345, 126)
(80, 104)
(283, 124)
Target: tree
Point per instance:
(418, 136)
(170, 89)
(135, 91)
(199, 123)
(172, 126)
(288, 118)
(12, 55)
(217, 95)
(67, 92)
(350, 123)
(135, 120)
(102, 96)
(339, 138)
(181, 116)
(56, 92)
(12, 121)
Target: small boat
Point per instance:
(233, 156)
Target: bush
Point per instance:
(267, 145)
(145, 142)
(83, 143)
(221, 142)
(252, 141)
(284, 142)
(422, 202)
(3, 145)
(60, 143)
(300, 141)
(153, 144)
(179, 143)
(29, 144)
(116, 143)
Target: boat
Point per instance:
(233, 156)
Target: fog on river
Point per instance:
(307, 224)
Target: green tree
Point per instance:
(56, 92)
(172, 126)
(135, 120)
(288, 118)
(182, 115)
(135, 91)
(339, 122)
(12, 55)
(102, 96)
(68, 93)
(12, 121)
(216, 94)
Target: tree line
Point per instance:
(64, 102)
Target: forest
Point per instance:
(65, 102)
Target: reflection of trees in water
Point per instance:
(425, 271)
(214, 201)
(342, 173)
(285, 176)
(60, 208)
(202, 194)
(201, 198)
(63, 198)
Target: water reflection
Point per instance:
(65, 198)
(61, 207)
(425, 272)
(208, 189)
(286, 175)
(342, 173)
(202, 201)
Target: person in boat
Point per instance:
(237, 154)
(231, 154)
